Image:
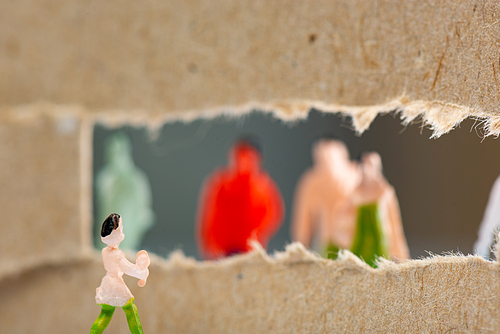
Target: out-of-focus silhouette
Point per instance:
(122, 187)
(490, 223)
(337, 199)
(237, 204)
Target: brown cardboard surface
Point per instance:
(185, 58)
(151, 61)
(45, 180)
(293, 291)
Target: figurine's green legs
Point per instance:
(103, 319)
(134, 323)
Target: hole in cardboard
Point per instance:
(442, 185)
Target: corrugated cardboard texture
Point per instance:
(45, 170)
(294, 292)
(187, 58)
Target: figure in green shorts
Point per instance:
(369, 241)
(372, 227)
(113, 292)
(343, 204)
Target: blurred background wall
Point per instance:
(442, 184)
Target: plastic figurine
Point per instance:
(337, 199)
(490, 223)
(370, 240)
(122, 187)
(113, 292)
(237, 204)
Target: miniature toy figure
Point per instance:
(122, 187)
(113, 292)
(370, 240)
(320, 211)
(338, 199)
(490, 223)
(237, 204)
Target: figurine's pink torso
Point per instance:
(332, 209)
(113, 290)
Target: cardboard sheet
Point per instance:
(292, 292)
(48, 274)
(45, 182)
(157, 60)
(128, 62)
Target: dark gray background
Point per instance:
(442, 184)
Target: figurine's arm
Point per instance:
(275, 211)
(143, 190)
(206, 216)
(398, 246)
(302, 216)
(133, 269)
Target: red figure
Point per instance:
(237, 204)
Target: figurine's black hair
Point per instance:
(110, 224)
(252, 140)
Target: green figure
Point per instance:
(113, 292)
(370, 241)
(122, 187)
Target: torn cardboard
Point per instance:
(45, 182)
(291, 292)
(48, 275)
(183, 59)
(149, 62)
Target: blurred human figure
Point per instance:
(321, 209)
(237, 204)
(329, 197)
(379, 231)
(490, 223)
(122, 187)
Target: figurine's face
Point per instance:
(334, 155)
(245, 158)
(373, 183)
(115, 237)
(372, 161)
(118, 150)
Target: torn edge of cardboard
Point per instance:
(440, 117)
(294, 253)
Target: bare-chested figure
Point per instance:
(330, 194)
(113, 292)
